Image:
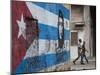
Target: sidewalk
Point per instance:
(90, 65)
(69, 66)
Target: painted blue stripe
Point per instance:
(54, 8)
(51, 33)
(37, 63)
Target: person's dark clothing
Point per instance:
(83, 55)
(79, 55)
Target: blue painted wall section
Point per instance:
(37, 63)
(54, 8)
(52, 32)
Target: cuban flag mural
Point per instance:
(40, 36)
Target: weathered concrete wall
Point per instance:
(79, 15)
(76, 16)
(87, 29)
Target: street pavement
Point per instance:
(89, 66)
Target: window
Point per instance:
(74, 38)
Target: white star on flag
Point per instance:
(22, 27)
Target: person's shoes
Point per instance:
(82, 64)
(74, 62)
(87, 62)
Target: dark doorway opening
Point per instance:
(93, 28)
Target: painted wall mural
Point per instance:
(40, 36)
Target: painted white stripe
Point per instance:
(32, 50)
(45, 16)
(45, 47)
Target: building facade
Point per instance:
(83, 26)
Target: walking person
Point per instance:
(79, 51)
(83, 55)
